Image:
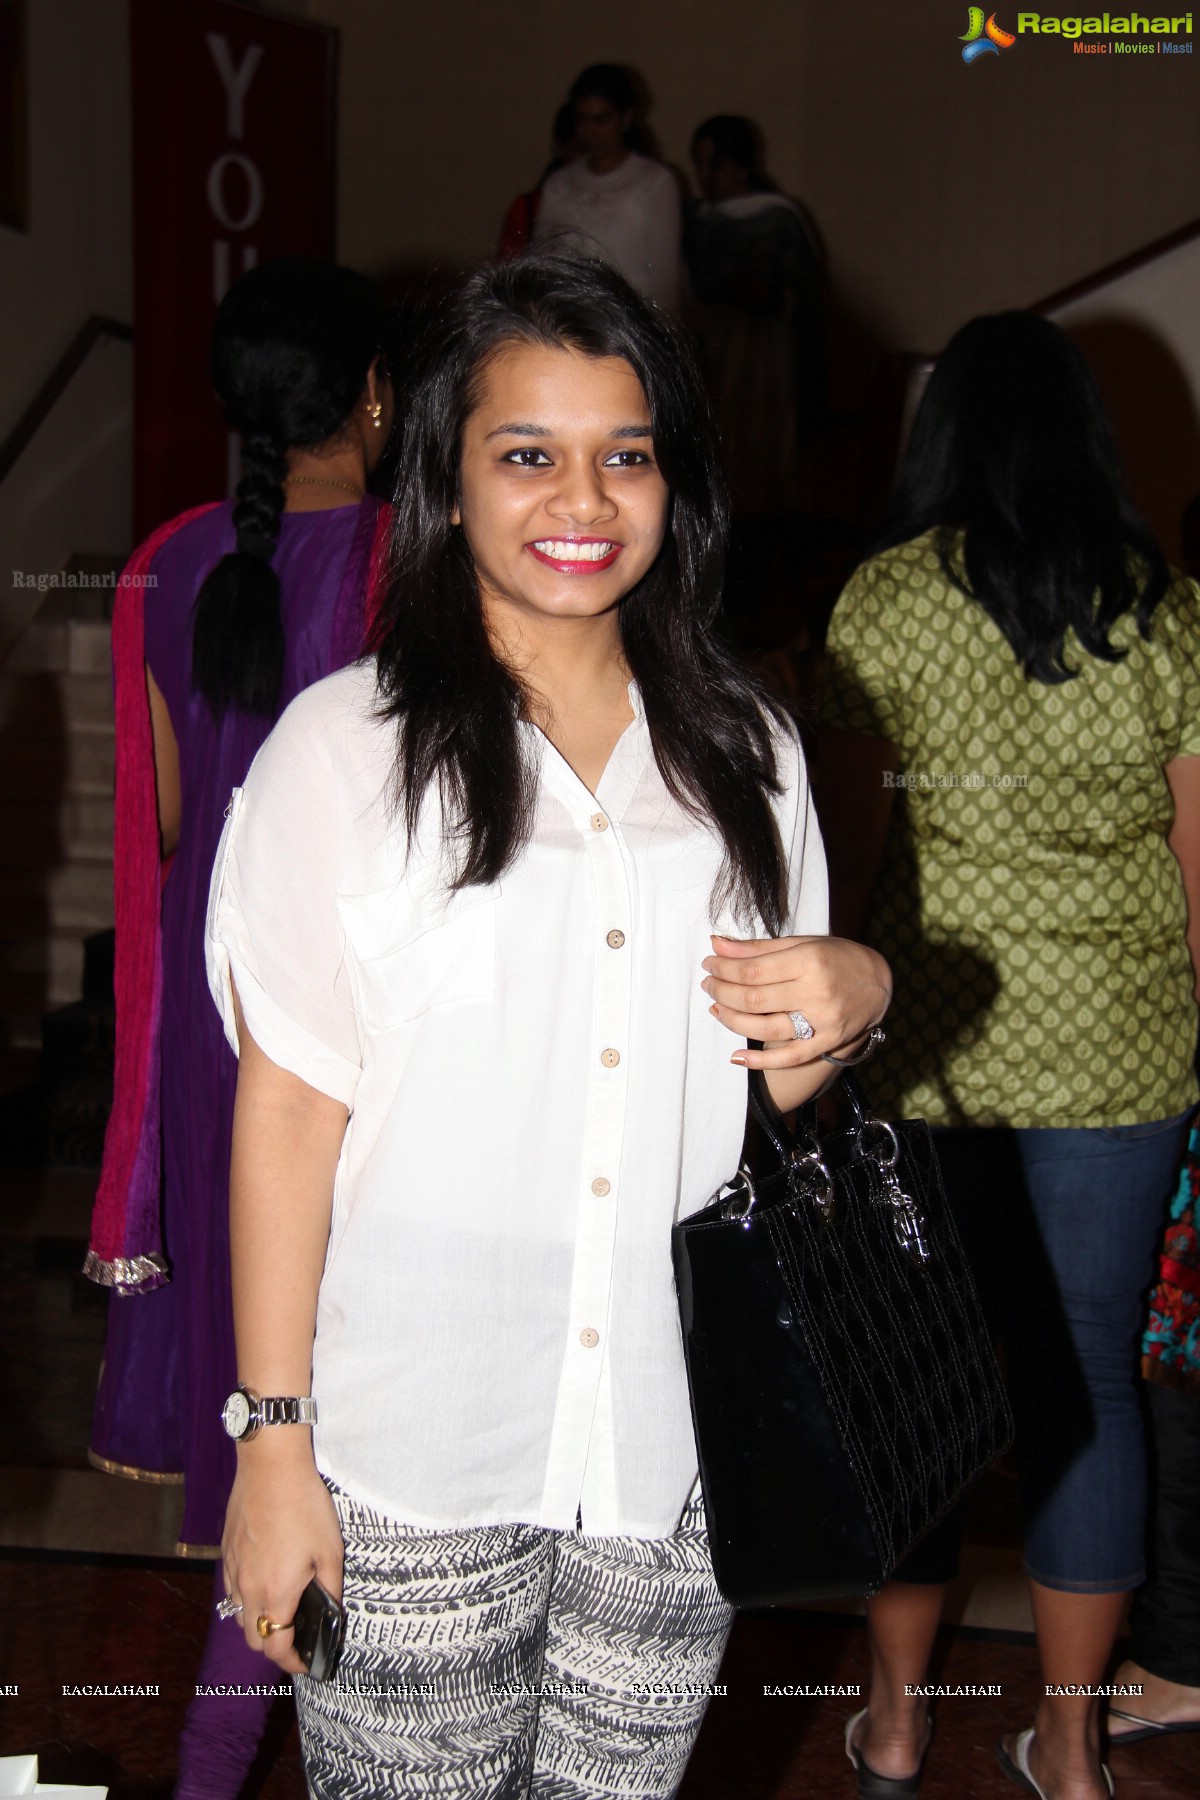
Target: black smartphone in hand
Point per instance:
(317, 1631)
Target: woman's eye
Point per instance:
(626, 459)
(527, 459)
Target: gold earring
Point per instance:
(375, 412)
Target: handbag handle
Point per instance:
(789, 1144)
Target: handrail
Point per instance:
(1124, 265)
(90, 332)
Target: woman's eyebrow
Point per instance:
(537, 431)
(524, 429)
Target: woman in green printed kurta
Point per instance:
(1012, 785)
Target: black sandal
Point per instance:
(872, 1786)
(1147, 1728)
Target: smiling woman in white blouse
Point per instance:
(493, 919)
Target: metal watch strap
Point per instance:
(286, 1411)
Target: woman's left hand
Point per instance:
(841, 988)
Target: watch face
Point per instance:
(236, 1414)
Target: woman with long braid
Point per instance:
(226, 614)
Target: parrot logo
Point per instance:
(984, 39)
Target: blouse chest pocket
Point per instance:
(410, 958)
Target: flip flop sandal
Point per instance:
(882, 1787)
(1146, 1728)
(1016, 1766)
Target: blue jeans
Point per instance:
(1061, 1229)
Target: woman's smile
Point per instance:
(576, 556)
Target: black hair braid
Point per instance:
(239, 602)
(260, 496)
(292, 345)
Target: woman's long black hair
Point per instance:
(456, 704)
(1011, 445)
(291, 348)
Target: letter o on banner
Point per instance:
(215, 190)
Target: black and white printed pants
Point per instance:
(510, 1661)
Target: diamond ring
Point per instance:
(801, 1028)
(228, 1608)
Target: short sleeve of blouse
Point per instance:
(808, 882)
(1180, 612)
(273, 928)
(864, 678)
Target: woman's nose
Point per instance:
(582, 496)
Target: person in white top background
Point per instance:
(461, 931)
(613, 202)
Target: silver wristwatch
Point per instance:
(245, 1412)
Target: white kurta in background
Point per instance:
(537, 1093)
(630, 217)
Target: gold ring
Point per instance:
(266, 1625)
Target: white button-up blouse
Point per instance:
(537, 1091)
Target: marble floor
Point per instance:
(90, 1594)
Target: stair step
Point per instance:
(54, 970)
(18, 1069)
(75, 602)
(75, 894)
(43, 705)
(80, 763)
(35, 833)
(66, 646)
(21, 1035)
(45, 951)
(40, 972)
(76, 1039)
(72, 631)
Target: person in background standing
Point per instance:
(614, 203)
(755, 271)
(1163, 1665)
(229, 612)
(1164, 1654)
(516, 233)
(1011, 791)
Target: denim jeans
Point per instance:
(1061, 1229)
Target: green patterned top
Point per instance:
(1028, 902)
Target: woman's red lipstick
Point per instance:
(575, 564)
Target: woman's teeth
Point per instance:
(566, 552)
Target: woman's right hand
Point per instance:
(281, 1531)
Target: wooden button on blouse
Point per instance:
(615, 939)
(610, 1058)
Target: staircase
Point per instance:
(56, 821)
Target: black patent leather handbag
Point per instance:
(843, 1384)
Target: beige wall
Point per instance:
(71, 489)
(75, 258)
(941, 189)
(1141, 334)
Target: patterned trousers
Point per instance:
(510, 1662)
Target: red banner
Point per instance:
(233, 163)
